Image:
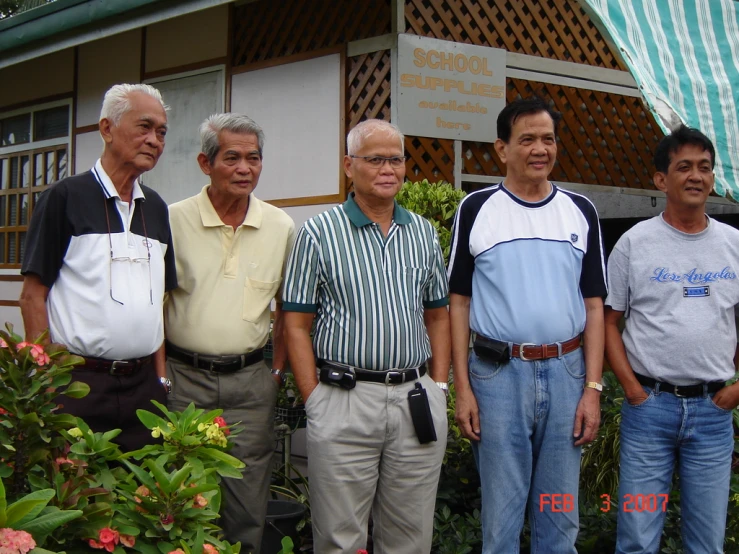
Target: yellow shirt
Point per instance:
(226, 279)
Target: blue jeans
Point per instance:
(662, 431)
(526, 454)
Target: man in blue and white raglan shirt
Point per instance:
(527, 277)
(674, 278)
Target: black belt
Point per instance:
(115, 367)
(217, 364)
(683, 391)
(388, 377)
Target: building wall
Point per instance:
(49, 76)
(186, 40)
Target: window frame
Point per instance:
(31, 150)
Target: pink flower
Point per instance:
(17, 542)
(178, 551)
(199, 501)
(21, 345)
(209, 549)
(361, 552)
(109, 538)
(128, 540)
(3, 344)
(60, 461)
(220, 421)
(95, 544)
(141, 492)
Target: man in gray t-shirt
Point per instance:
(674, 279)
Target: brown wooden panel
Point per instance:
(603, 139)
(368, 91)
(275, 28)
(557, 29)
(429, 158)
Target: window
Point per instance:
(34, 153)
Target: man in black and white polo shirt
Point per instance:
(98, 260)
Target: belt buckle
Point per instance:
(390, 373)
(676, 393)
(119, 364)
(520, 351)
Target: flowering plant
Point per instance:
(72, 489)
(32, 377)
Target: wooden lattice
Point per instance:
(277, 28)
(557, 29)
(431, 159)
(605, 139)
(368, 84)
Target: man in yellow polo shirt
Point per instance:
(230, 249)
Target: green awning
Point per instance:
(684, 55)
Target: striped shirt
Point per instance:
(368, 291)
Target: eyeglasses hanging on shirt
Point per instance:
(125, 259)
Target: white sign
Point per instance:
(448, 89)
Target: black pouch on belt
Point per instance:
(337, 376)
(490, 350)
(418, 402)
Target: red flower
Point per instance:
(167, 519)
(109, 538)
(222, 423)
(95, 544)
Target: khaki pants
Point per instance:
(247, 396)
(363, 454)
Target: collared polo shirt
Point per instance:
(227, 278)
(107, 275)
(369, 291)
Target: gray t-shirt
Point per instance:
(678, 292)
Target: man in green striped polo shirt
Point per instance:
(372, 276)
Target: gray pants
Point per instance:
(363, 454)
(247, 396)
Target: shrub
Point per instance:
(73, 489)
(437, 202)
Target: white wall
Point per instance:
(299, 107)
(301, 214)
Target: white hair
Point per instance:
(116, 101)
(234, 122)
(367, 128)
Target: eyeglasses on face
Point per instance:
(379, 161)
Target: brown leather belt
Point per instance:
(116, 367)
(529, 351)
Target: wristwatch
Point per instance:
(280, 373)
(443, 386)
(594, 385)
(166, 383)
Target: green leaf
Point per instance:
(3, 505)
(192, 491)
(221, 456)
(150, 420)
(47, 523)
(77, 389)
(179, 477)
(160, 475)
(142, 476)
(19, 509)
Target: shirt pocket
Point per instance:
(414, 280)
(257, 297)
